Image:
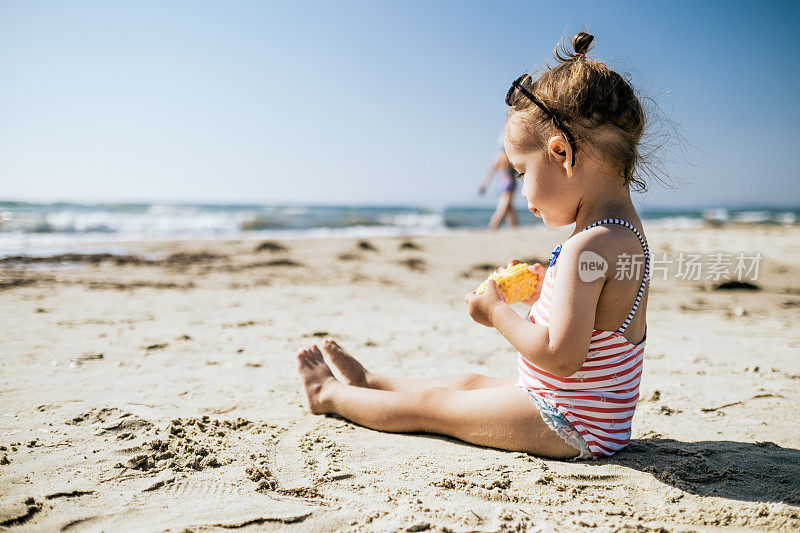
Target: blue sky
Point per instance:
(370, 102)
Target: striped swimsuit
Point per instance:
(599, 399)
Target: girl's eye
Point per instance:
(519, 174)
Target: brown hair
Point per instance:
(596, 104)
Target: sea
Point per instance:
(39, 229)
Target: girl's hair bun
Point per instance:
(581, 44)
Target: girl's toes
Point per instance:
(306, 355)
(335, 346)
(332, 347)
(314, 355)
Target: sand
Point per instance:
(159, 392)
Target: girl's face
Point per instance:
(551, 193)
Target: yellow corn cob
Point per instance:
(516, 283)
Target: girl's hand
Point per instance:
(482, 306)
(539, 270)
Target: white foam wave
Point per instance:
(414, 221)
(674, 223)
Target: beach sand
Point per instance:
(160, 392)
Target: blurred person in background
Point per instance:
(506, 185)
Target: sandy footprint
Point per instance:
(292, 466)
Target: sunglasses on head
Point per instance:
(521, 86)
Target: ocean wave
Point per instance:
(25, 225)
(753, 217)
(423, 220)
(680, 222)
(259, 223)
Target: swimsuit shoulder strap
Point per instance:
(646, 276)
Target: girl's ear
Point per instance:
(561, 151)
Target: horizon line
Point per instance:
(419, 204)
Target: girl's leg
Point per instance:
(499, 417)
(355, 374)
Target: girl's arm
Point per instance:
(561, 348)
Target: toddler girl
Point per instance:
(573, 135)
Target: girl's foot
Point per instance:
(352, 371)
(316, 376)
